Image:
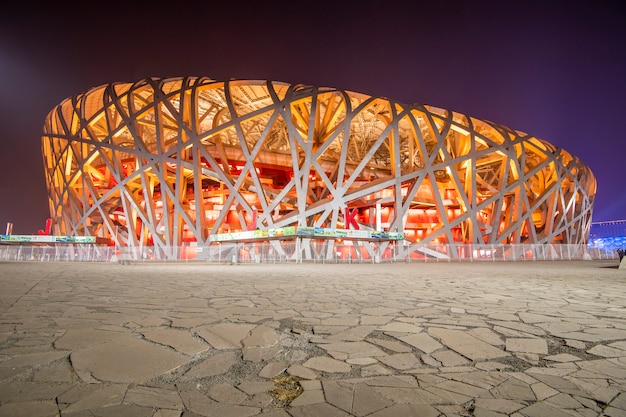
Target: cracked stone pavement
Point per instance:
(406, 339)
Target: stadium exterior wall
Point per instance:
(169, 162)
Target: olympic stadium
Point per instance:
(191, 161)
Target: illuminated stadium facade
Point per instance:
(172, 162)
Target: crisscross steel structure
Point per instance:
(162, 162)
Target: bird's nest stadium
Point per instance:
(188, 161)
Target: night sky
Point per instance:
(556, 70)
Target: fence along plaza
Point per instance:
(305, 250)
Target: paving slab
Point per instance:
(449, 358)
(225, 335)
(32, 359)
(131, 360)
(421, 341)
(325, 364)
(353, 349)
(527, 345)
(180, 340)
(163, 397)
(400, 361)
(214, 365)
(45, 408)
(260, 336)
(103, 396)
(467, 345)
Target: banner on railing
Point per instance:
(46, 239)
(293, 232)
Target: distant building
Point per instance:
(169, 162)
(608, 236)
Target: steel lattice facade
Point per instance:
(163, 162)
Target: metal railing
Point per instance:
(311, 251)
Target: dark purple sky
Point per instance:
(556, 70)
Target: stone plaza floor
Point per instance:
(329, 340)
